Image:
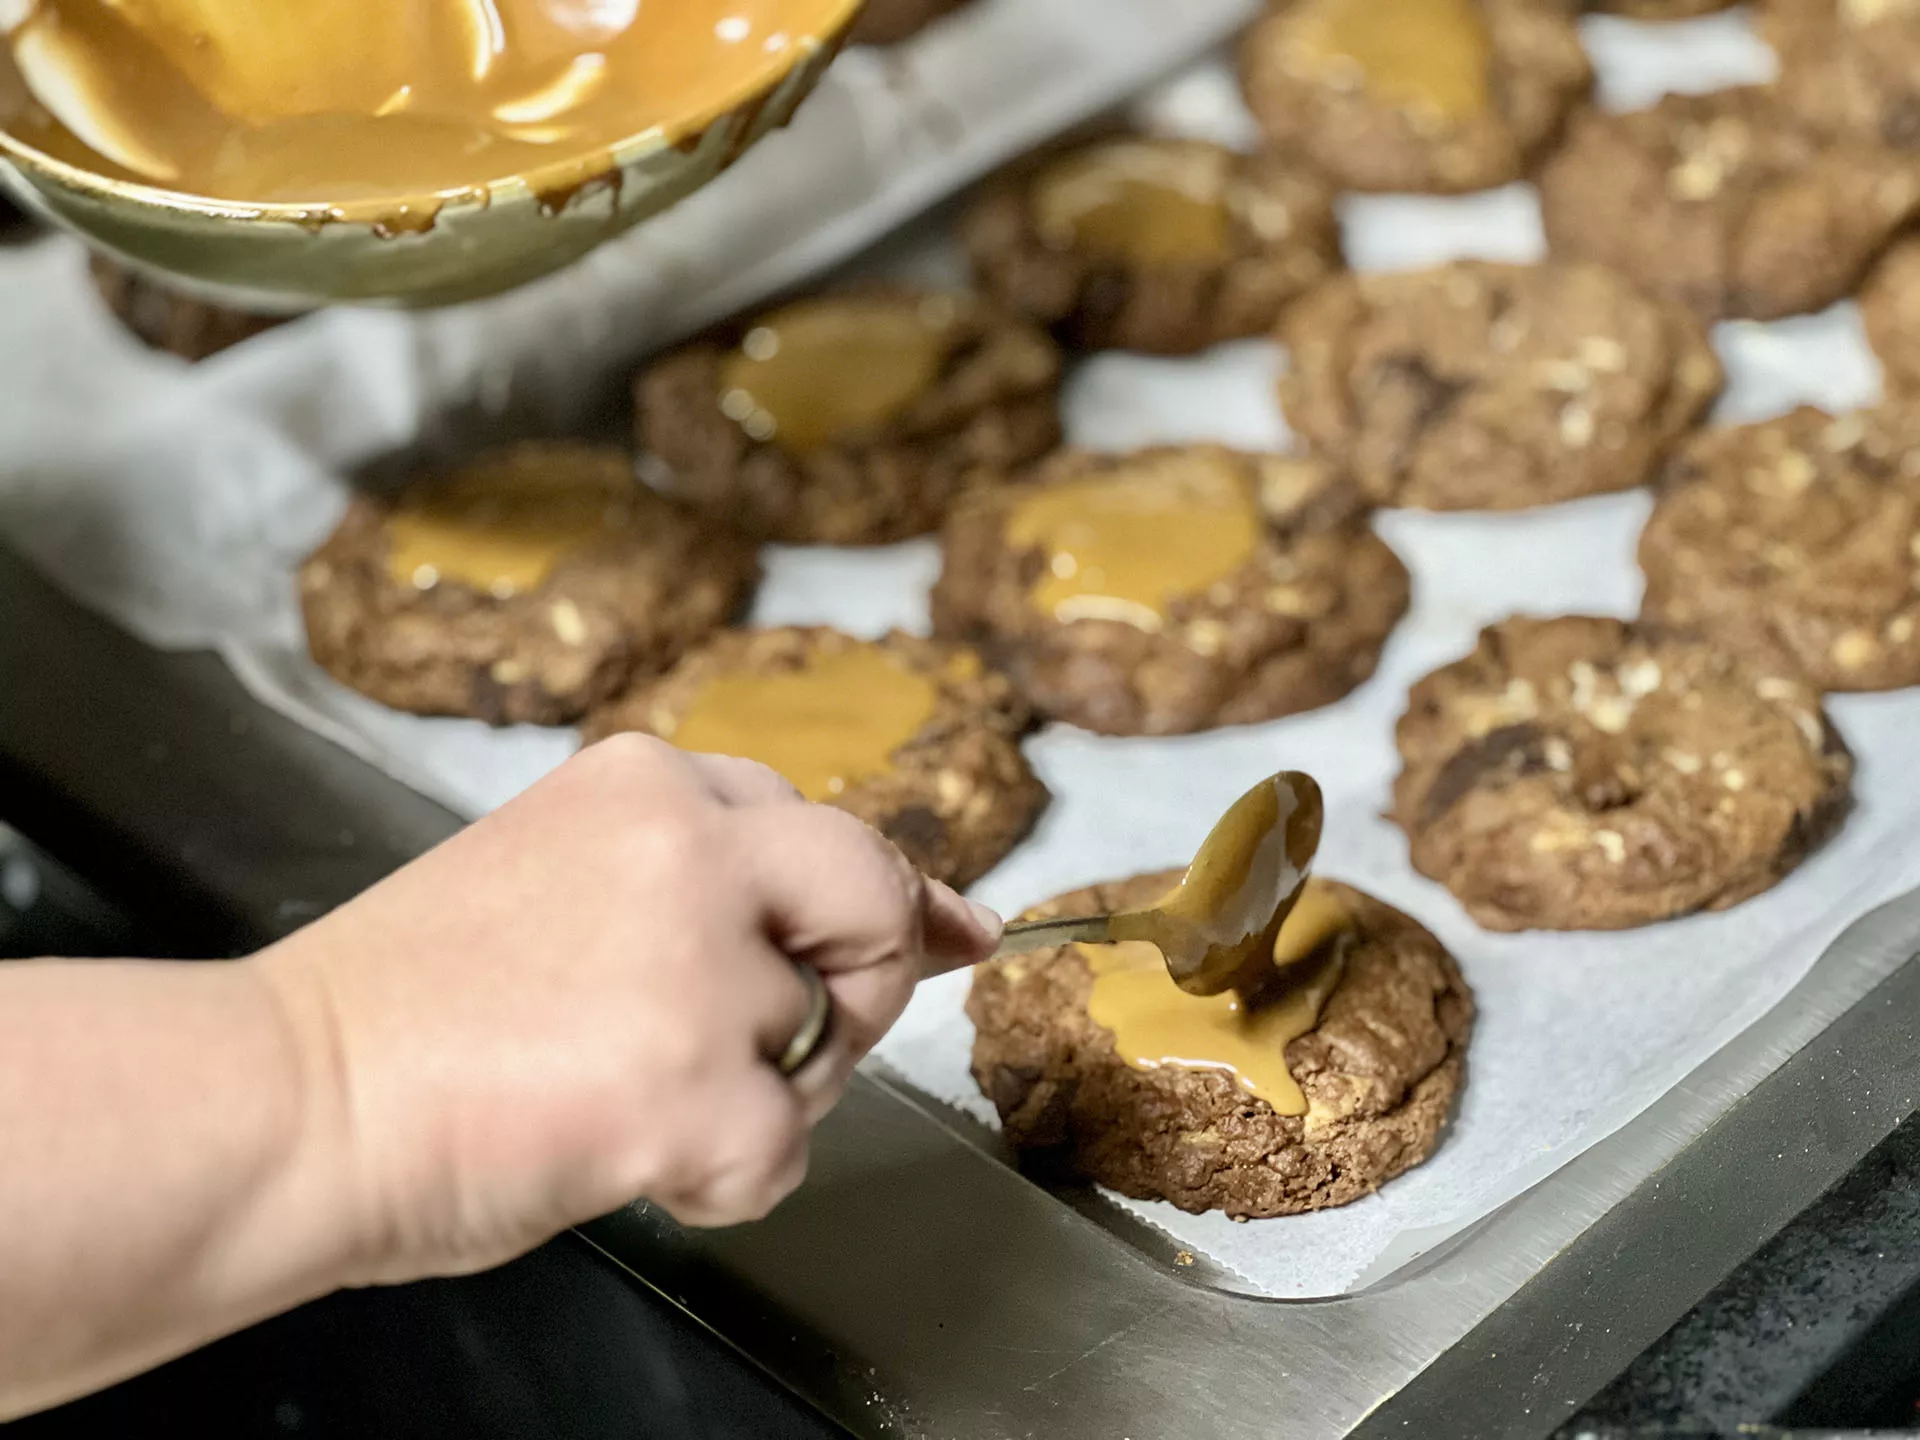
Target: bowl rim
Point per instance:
(804, 53)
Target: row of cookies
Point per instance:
(1249, 1159)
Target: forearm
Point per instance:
(164, 1175)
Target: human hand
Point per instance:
(573, 1004)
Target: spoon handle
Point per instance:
(1026, 935)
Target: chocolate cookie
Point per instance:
(1477, 386)
(1344, 1082)
(850, 419)
(1441, 95)
(1850, 67)
(1173, 589)
(165, 319)
(1796, 542)
(521, 589)
(916, 738)
(1890, 307)
(1161, 245)
(1589, 774)
(1726, 203)
(1660, 9)
(888, 22)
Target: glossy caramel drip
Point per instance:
(1431, 56)
(341, 101)
(834, 368)
(1127, 544)
(1138, 204)
(1216, 930)
(1156, 1024)
(828, 725)
(503, 525)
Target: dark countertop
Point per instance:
(1821, 1328)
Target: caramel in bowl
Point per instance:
(285, 155)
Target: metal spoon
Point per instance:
(1218, 927)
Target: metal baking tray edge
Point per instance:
(918, 1287)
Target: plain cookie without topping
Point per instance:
(1379, 1070)
(1172, 589)
(165, 319)
(1158, 245)
(947, 783)
(1432, 95)
(520, 589)
(1479, 386)
(1796, 542)
(1890, 309)
(849, 419)
(1726, 203)
(1590, 774)
(1850, 67)
(1661, 9)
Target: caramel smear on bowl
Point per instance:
(338, 102)
(833, 722)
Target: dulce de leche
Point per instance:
(349, 102)
(1156, 1024)
(825, 725)
(1124, 546)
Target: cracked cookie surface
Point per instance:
(519, 589)
(1796, 541)
(1166, 246)
(1590, 774)
(1486, 386)
(1727, 203)
(914, 737)
(1429, 95)
(1379, 1069)
(1172, 589)
(853, 418)
(1850, 68)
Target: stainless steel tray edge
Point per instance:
(918, 1287)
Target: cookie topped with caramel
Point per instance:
(1173, 589)
(1153, 244)
(849, 419)
(1312, 1093)
(1429, 95)
(521, 588)
(916, 738)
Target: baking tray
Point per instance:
(876, 1101)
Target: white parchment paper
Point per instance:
(179, 500)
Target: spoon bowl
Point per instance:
(441, 249)
(1218, 928)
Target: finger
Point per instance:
(957, 932)
(829, 890)
(744, 783)
(822, 1082)
(782, 1003)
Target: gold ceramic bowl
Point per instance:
(290, 258)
